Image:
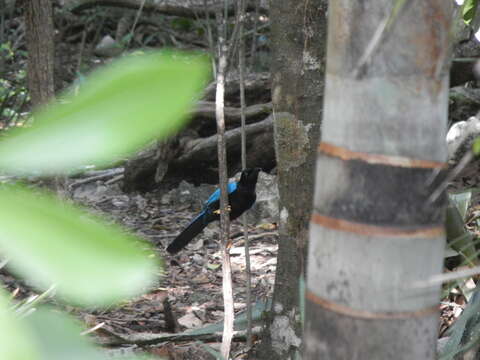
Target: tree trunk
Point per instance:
(298, 42)
(40, 47)
(374, 231)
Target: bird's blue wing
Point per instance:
(231, 187)
(196, 217)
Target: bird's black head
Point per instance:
(249, 177)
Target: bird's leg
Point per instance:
(229, 208)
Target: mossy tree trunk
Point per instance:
(375, 231)
(298, 63)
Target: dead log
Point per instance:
(257, 89)
(143, 339)
(204, 149)
(189, 9)
(195, 159)
(197, 162)
(139, 172)
(253, 113)
(144, 171)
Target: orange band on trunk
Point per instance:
(365, 314)
(374, 230)
(345, 154)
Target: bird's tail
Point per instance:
(192, 230)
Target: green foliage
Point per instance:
(465, 333)
(12, 99)
(119, 110)
(476, 147)
(113, 113)
(462, 241)
(16, 342)
(183, 24)
(90, 263)
(6, 51)
(468, 10)
(56, 337)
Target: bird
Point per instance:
(241, 197)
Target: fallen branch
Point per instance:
(206, 109)
(189, 9)
(103, 174)
(142, 339)
(146, 170)
(200, 150)
(256, 84)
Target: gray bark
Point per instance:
(374, 230)
(298, 42)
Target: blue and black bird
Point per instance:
(241, 197)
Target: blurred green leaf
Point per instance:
(16, 342)
(119, 109)
(58, 337)
(51, 242)
(469, 9)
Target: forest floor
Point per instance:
(187, 297)
(189, 294)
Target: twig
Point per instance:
(450, 176)
(4, 262)
(235, 36)
(241, 66)
(137, 16)
(442, 278)
(107, 174)
(254, 35)
(380, 34)
(223, 179)
(80, 50)
(143, 339)
(262, 235)
(210, 38)
(26, 307)
(96, 327)
(115, 179)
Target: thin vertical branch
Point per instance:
(211, 44)
(223, 178)
(80, 50)
(254, 35)
(234, 38)
(137, 17)
(241, 65)
(224, 27)
(3, 10)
